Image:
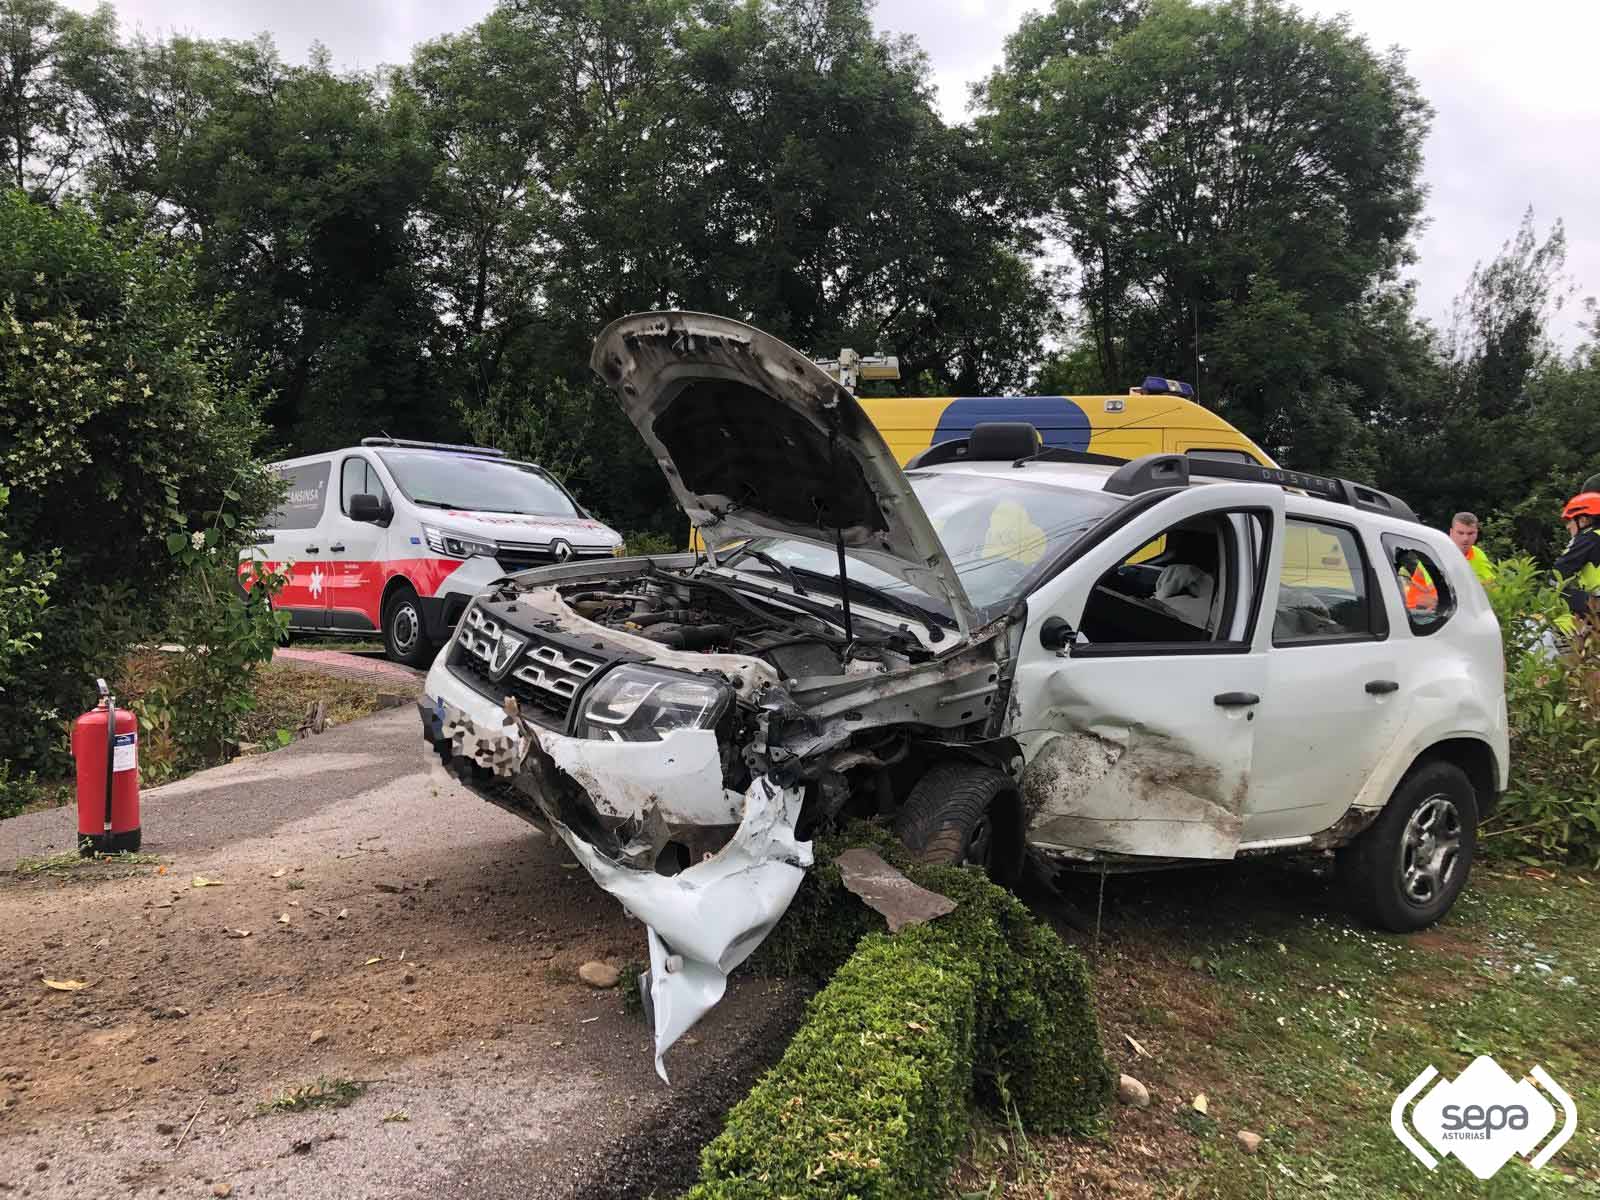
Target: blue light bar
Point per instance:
(1154, 385)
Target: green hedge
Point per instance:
(870, 1099)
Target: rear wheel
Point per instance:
(1407, 869)
(964, 814)
(405, 638)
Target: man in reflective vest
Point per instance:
(1464, 533)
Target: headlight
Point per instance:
(455, 545)
(644, 704)
(619, 551)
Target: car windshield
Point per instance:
(476, 484)
(1000, 532)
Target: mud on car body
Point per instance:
(1003, 650)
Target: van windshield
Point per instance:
(1000, 533)
(490, 485)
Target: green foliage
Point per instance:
(24, 594)
(225, 632)
(118, 418)
(1551, 811)
(1236, 180)
(870, 1098)
(646, 543)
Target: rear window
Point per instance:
(308, 494)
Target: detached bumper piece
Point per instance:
(702, 921)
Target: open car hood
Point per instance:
(756, 440)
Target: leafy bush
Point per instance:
(1551, 811)
(870, 1099)
(645, 543)
(225, 634)
(119, 421)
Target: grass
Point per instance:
(322, 1092)
(1301, 1025)
(70, 861)
(284, 695)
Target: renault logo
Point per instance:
(560, 550)
(503, 652)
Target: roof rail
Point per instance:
(451, 447)
(1177, 470)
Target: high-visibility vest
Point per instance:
(1480, 564)
(1420, 590)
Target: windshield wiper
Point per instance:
(932, 621)
(783, 569)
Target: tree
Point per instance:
(299, 189)
(1503, 425)
(56, 68)
(1236, 180)
(119, 419)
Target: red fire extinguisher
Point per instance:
(105, 745)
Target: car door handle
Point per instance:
(1235, 699)
(313, 549)
(337, 547)
(1382, 687)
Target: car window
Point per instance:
(1189, 586)
(1424, 589)
(308, 494)
(358, 478)
(1322, 586)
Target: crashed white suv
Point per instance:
(1035, 651)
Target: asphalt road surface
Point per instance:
(371, 922)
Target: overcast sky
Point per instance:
(1517, 109)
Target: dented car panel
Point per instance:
(1125, 754)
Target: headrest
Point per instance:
(996, 440)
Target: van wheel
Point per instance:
(1407, 869)
(405, 638)
(960, 814)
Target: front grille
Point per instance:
(547, 673)
(524, 556)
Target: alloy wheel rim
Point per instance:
(1430, 851)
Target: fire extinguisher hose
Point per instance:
(111, 754)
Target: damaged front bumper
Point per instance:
(616, 805)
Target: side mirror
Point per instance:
(368, 508)
(1056, 634)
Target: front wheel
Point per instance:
(964, 814)
(405, 638)
(1406, 871)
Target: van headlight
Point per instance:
(644, 704)
(455, 545)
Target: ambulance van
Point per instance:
(1160, 417)
(392, 538)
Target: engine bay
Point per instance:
(683, 611)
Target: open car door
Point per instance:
(1141, 674)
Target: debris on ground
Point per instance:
(599, 975)
(1131, 1091)
(1250, 1141)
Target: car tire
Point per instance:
(405, 637)
(964, 814)
(1406, 870)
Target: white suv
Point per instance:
(1036, 651)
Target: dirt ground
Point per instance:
(370, 922)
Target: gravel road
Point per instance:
(400, 933)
